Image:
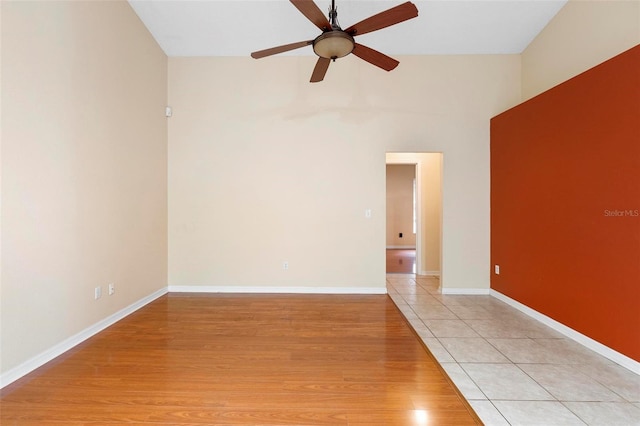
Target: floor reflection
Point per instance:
(401, 261)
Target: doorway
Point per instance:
(414, 213)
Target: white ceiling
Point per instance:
(239, 27)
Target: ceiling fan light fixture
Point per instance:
(333, 44)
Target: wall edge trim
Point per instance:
(275, 289)
(465, 291)
(588, 342)
(58, 349)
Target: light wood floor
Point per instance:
(401, 261)
(244, 359)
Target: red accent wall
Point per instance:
(565, 203)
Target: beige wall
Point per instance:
(582, 35)
(84, 165)
(400, 180)
(265, 167)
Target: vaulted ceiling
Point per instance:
(443, 27)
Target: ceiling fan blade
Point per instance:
(389, 17)
(374, 57)
(320, 70)
(280, 49)
(313, 13)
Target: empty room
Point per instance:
(194, 212)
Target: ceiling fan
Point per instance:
(334, 42)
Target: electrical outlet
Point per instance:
(97, 293)
(496, 269)
(285, 265)
(112, 289)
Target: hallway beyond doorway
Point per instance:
(415, 212)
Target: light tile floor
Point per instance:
(512, 369)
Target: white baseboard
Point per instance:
(594, 345)
(278, 290)
(407, 247)
(430, 273)
(465, 291)
(57, 350)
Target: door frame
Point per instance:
(408, 160)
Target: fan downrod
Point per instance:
(334, 43)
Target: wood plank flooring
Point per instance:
(401, 261)
(244, 359)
